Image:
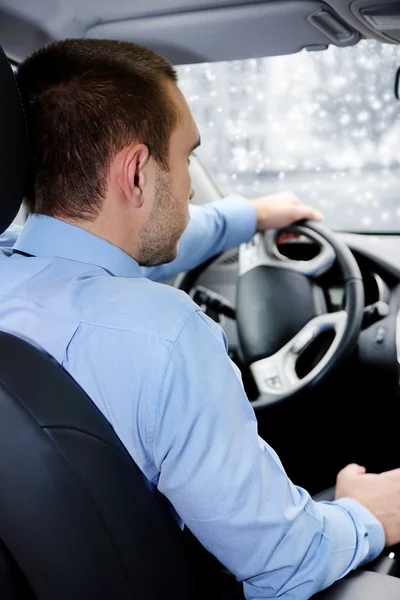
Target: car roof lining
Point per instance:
(184, 31)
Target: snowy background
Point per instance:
(325, 125)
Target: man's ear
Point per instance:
(132, 173)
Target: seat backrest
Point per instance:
(76, 514)
(77, 517)
(14, 151)
(13, 584)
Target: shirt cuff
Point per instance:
(374, 528)
(241, 216)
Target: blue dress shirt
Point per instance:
(158, 369)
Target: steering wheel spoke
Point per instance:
(277, 374)
(262, 250)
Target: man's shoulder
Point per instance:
(135, 304)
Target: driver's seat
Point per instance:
(76, 514)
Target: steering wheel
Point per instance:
(281, 310)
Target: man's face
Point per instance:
(169, 215)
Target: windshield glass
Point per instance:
(325, 125)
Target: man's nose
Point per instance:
(191, 195)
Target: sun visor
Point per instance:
(234, 32)
(19, 36)
(382, 18)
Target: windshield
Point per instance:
(325, 125)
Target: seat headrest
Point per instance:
(14, 159)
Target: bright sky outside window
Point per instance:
(325, 125)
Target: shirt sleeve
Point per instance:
(230, 488)
(213, 228)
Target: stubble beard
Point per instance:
(159, 239)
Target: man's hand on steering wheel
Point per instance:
(281, 210)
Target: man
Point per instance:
(111, 140)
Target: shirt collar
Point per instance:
(47, 236)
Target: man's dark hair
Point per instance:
(86, 100)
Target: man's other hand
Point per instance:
(281, 210)
(380, 494)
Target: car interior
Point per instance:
(311, 314)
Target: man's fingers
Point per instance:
(303, 211)
(353, 469)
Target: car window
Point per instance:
(323, 124)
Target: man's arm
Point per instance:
(213, 228)
(230, 488)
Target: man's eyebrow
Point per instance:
(196, 145)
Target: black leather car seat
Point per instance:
(76, 514)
